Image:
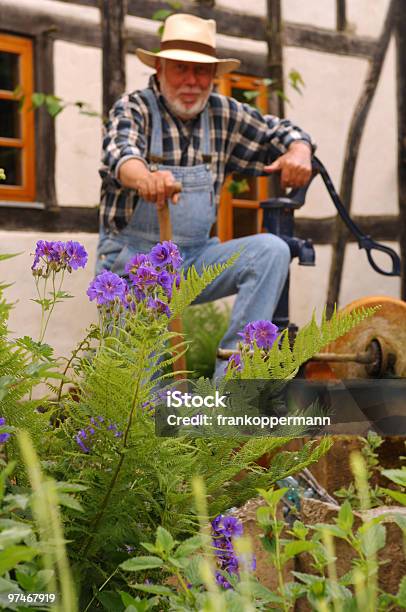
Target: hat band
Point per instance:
(188, 45)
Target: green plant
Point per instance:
(203, 326)
(324, 589)
(369, 448)
(32, 548)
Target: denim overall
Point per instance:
(191, 218)
(257, 277)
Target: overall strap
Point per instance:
(156, 150)
(206, 135)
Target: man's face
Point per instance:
(186, 86)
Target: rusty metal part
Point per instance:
(382, 336)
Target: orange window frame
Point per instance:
(225, 86)
(23, 47)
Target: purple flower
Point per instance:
(159, 306)
(264, 333)
(90, 430)
(234, 362)
(44, 250)
(166, 253)
(77, 255)
(230, 527)
(145, 277)
(106, 287)
(71, 254)
(3, 436)
(222, 582)
(166, 281)
(160, 254)
(135, 262)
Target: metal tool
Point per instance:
(373, 348)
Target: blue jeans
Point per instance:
(257, 277)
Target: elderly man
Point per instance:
(177, 129)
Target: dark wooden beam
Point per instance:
(400, 30)
(341, 15)
(62, 219)
(44, 124)
(85, 219)
(358, 120)
(275, 56)
(114, 50)
(32, 23)
(234, 23)
(328, 41)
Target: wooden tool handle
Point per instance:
(165, 227)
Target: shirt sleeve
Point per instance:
(124, 134)
(257, 140)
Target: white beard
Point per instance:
(176, 106)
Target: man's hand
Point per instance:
(154, 187)
(295, 166)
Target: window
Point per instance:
(239, 214)
(16, 119)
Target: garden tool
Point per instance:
(373, 348)
(165, 233)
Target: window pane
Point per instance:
(10, 161)
(9, 70)
(244, 222)
(9, 119)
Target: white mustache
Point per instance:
(190, 91)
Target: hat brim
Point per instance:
(223, 65)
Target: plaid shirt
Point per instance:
(242, 140)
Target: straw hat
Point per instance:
(188, 38)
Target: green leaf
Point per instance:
(263, 516)
(250, 95)
(155, 589)
(37, 99)
(397, 476)
(188, 547)
(258, 591)
(372, 538)
(296, 81)
(4, 256)
(14, 535)
(14, 555)
(401, 594)
(161, 15)
(164, 540)
(396, 495)
(334, 530)
(273, 497)
(295, 548)
(53, 105)
(69, 502)
(138, 564)
(345, 517)
(299, 530)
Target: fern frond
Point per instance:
(193, 284)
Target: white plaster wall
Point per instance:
(244, 6)
(359, 279)
(366, 17)
(78, 136)
(311, 12)
(332, 85)
(137, 74)
(375, 181)
(70, 318)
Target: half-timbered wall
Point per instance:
(333, 67)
